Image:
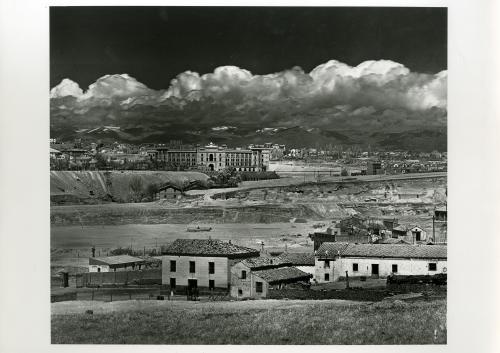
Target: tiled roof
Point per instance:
(282, 274)
(298, 259)
(330, 250)
(115, 260)
(392, 241)
(263, 262)
(388, 251)
(208, 247)
(400, 228)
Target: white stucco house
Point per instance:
(334, 260)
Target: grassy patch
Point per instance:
(245, 323)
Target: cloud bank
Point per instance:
(334, 95)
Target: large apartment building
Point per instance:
(214, 158)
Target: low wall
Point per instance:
(95, 279)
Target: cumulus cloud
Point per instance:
(66, 88)
(330, 95)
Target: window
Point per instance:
(258, 287)
(211, 284)
(240, 292)
(243, 274)
(394, 268)
(433, 267)
(98, 269)
(211, 267)
(192, 267)
(327, 276)
(327, 263)
(355, 267)
(173, 266)
(172, 283)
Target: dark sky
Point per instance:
(155, 44)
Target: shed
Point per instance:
(118, 262)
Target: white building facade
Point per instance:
(214, 158)
(338, 260)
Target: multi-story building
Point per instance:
(214, 158)
(201, 263)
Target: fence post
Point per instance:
(111, 296)
(92, 294)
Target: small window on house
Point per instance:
(243, 274)
(98, 269)
(192, 267)
(173, 266)
(394, 268)
(240, 292)
(355, 267)
(258, 287)
(211, 284)
(211, 267)
(327, 263)
(327, 276)
(432, 266)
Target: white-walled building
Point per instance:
(214, 158)
(201, 263)
(335, 260)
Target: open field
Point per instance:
(250, 322)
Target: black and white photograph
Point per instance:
(247, 174)
(251, 175)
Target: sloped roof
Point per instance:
(400, 228)
(330, 250)
(282, 274)
(387, 251)
(299, 258)
(208, 247)
(114, 260)
(263, 262)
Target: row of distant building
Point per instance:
(212, 157)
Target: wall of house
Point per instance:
(182, 274)
(405, 267)
(95, 268)
(320, 270)
(246, 288)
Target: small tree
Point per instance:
(151, 190)
(343, 172)
(136, 186)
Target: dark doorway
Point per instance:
(192, 283)
(417, 235)
(211, 166)
(172, 283)
(375, 270)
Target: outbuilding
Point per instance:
(115, 263)
(253, 278)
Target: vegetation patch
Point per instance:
(251, 322)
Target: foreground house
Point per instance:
(114, 263)
(254, 277)
(334, 260)
(201, 263)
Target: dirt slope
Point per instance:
(98, 186)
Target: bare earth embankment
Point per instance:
(250, 322)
